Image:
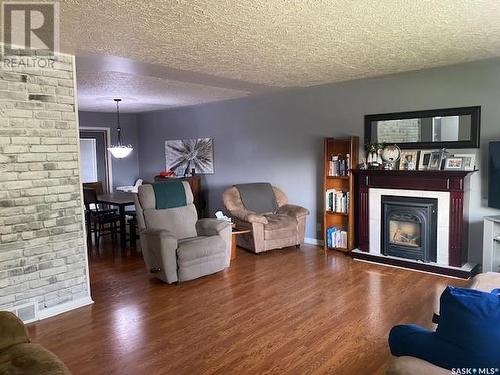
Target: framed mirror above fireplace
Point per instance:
(429, 129)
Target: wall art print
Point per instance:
(183, 155)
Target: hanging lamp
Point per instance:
(119, 151)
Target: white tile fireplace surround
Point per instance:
(443, 218)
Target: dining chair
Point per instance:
(97, 186)
(133, 235)
(100, 221)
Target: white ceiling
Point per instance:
(219, 49)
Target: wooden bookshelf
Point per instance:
(337, 177)
(343, 221)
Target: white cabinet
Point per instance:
(491, 244)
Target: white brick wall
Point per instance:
(42, 252)
(392, 132)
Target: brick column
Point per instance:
(42, 251)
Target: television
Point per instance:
(494, 175)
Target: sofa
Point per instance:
(415, 366)
(19, 356)
(269, 230)
(176, 246)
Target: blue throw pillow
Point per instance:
(470, 319)
(467, 336)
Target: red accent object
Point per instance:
(454, 182)
(167, 174)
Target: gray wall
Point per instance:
(125, 171)
(278, 138)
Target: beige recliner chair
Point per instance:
(176, 245)
(269, 230)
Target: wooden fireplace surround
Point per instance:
(454, 182)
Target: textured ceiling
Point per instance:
(285, 43)
(96, 91)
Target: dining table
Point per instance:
(121, 200)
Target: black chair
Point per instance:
(97, 186)
(132, 228)
(100, 221)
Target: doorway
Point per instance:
(94, 158)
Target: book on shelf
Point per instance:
(336, 237)
(337, 201)
(339, 166)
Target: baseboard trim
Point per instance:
(313, 241)
(64, 307)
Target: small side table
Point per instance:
(236, 232)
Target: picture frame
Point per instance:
(182, 156)
(409, 160)
(454, 163)
(425, 158)
(469, 161)
(436, 160)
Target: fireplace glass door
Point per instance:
(404, 232)
(409, 227)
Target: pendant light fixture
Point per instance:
(119, 151)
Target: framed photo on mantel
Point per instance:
(425, 159)
(436, 160)
(408, 160)
(454, 164)
(469, 163)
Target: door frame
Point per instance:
(107, 155)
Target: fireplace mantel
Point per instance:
(456, 183)
(418, 180)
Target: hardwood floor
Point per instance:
(286, 311)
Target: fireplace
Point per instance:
(409, 227)
(449, 188)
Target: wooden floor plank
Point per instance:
(286, 311)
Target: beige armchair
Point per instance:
(176, 245)
(269, 230)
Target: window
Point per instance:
(88, 160)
